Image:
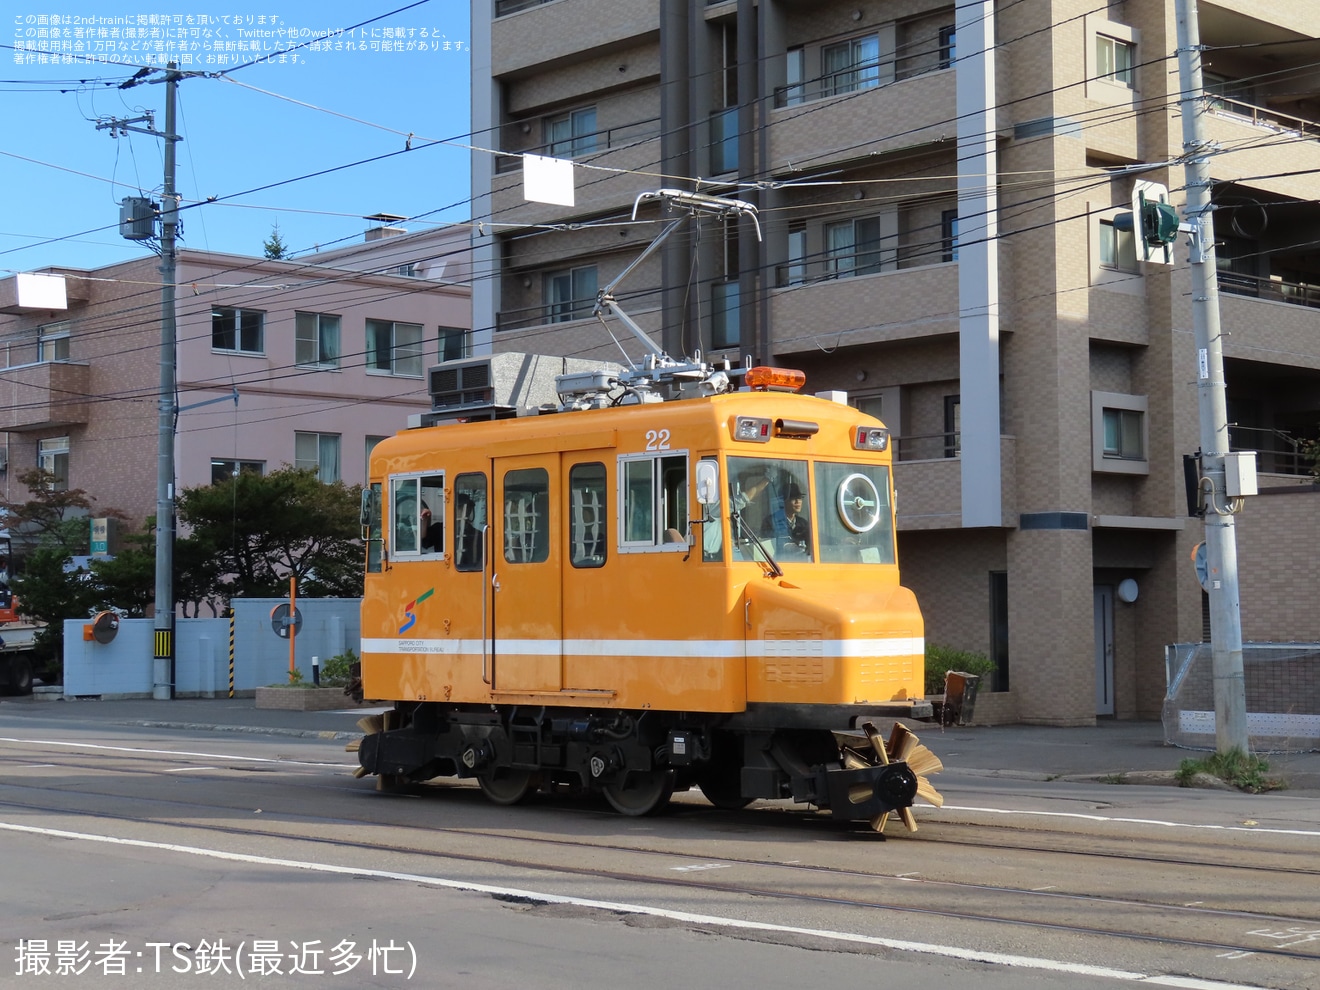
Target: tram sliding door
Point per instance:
(525, 558)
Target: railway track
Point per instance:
(675, 853)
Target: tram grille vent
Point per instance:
(499, 385)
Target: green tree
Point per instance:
(1310, 450)
(259, 530)
(274, 246)
(46, 530)
(126, 582)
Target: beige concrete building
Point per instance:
(938, 186)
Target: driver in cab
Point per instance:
(789, 526)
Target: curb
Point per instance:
(254, 730)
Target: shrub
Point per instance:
(337, 670)
(1246, 773)
(942, 659)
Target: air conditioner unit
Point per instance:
(500, 385)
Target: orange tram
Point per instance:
(632, 581)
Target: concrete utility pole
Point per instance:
(1220, 538)
(163, 662)
(163, 679)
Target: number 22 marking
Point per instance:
(657, 439)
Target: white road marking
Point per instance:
(1125, 821)
(169, 752)
(188, 769)
(927, 948)
(697, 867)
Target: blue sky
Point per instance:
(240, 132)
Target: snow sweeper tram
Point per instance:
(632, 580)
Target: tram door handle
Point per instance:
(747, 613)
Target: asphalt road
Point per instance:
(174, 855)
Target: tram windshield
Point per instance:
(855, 517)
(837, 513)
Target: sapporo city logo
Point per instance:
(411, 616)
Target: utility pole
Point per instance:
(163, 663)
(164, 605)
(1220, 537)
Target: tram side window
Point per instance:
(526, 516)
(371, 527)
(653, 493)
(469, 518)
(417, 512)
(587, 515)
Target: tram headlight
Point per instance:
(871, 438)
(751, 428)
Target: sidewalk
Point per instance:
(1108, 751)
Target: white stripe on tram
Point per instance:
(680, 648)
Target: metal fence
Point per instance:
(124, 667)
(1283, 696)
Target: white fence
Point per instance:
(125, 666)
(1282, 693)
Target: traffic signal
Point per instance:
(1159, 223)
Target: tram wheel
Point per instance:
(641, 793)
(506, 785)
(722, 786)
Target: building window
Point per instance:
(1113, 60)
(724, 141)
(653, 496)
(53, 458)
(370, 446)
(851, 65)
(795, 72)
(724, 312)
(948, 46)
(237, 330)
(570, 294)
(797, 253)
(316, 339)
(1119, 437)
(1118, 248)
(588, 515)
(571, 134)
(852, 247)
(453, 344)
(394, 348)
(1123, 434)
(952, 425)
(53, 342)
(949, 235)
(223, 470)
(318, 452)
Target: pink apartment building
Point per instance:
(327, 354)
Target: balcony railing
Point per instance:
(927, 446)
(1270, 287)
(503, 7)
(1263, 117)
(580, 145)
(889, 257)
(1277, 451)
